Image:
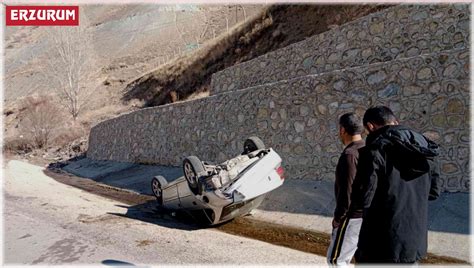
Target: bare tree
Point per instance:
(243, 10)
(178, 27)
(227, 19)
(41, 117)
(68, 65)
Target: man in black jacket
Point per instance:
(396, 176)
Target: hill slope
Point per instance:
(276, 27)
(137, 69)
(126, 41)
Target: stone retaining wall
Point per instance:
(398, 32)
(298, 118)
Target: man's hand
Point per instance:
(335, 224)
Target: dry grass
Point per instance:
(198, 95)
(17, 145)
(275, 27)
(91, 117)
(189, 73)
(65, 136)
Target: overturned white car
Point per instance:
(226, 190)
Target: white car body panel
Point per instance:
(245, 185)
(261, 178)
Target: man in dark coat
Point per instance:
(396, 176)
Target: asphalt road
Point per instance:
(46, 222)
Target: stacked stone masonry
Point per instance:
(298, 117)
(398, 32)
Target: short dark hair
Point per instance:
(351, 123)
(380, 115)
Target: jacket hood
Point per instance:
(410, 150)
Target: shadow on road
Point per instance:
(139, 206)
(109, 262)
(150, 212)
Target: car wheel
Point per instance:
(157, 191)
(252, 144)
(193, 169)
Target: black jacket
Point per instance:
(397, 174)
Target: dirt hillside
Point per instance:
(125, 42)
(276, 27)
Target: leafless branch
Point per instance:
(41, 117)
(67, 62)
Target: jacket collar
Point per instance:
(372, 137)
(354, 143)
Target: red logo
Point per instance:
(42, 15)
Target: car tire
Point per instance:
(253, 144)
(157, 191)
(193, 169)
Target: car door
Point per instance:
(170, 197)
(187, 199)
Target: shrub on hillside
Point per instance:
(40, 120)
(65, 136)
(17, 145)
